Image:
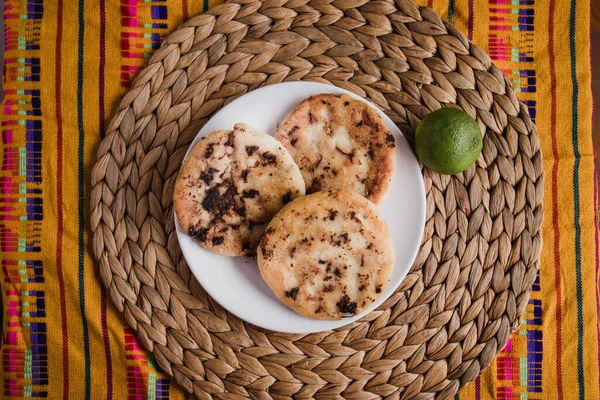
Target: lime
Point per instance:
(448, 141)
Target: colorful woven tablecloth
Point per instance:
(66, 65)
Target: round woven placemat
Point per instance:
(480, 253)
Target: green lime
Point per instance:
(448, 141)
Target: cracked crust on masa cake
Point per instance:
(327, 255)
(230, 186)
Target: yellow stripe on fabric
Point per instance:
(91, 129)
(48, 232)
(586, 194)
(547, 287)
(566, 203)
(70, 135)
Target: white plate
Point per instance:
(235, 282)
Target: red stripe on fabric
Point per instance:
(59, 200)
(430, 3)
(555, 225)
(185, 10)
(471, 17)
(478, 388)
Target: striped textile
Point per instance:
(67, 63)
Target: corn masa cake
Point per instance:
(231, 185)
(327, 255)
(340, 143)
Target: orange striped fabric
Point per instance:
(66, 65)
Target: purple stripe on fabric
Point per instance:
(109, 370)
(555, 213)
(59, 200)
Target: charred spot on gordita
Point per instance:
(287, 197)
(251, 150)
(199, 234)
(346, 307)
(209, 150)
(250, 193)
(268, 158)
(292, 293)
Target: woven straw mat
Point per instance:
(472, 277)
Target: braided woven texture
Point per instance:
(480, 253)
